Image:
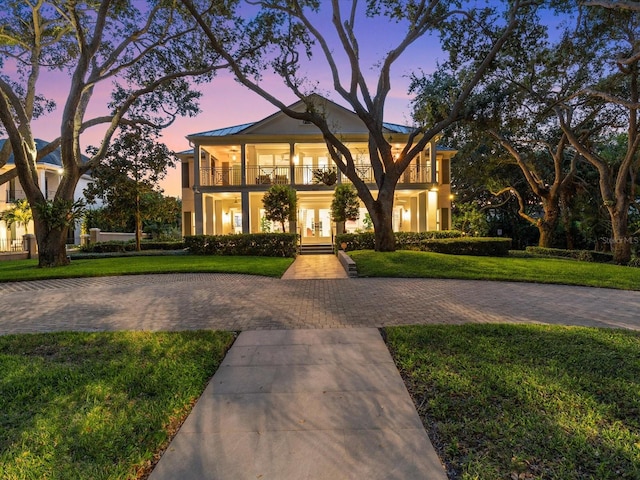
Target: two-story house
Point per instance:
(228, 171)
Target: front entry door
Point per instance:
(315, 224)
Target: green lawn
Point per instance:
(97, 405)
(18, 270)
(526, 402)
(404, 263)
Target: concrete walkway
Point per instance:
(303, 404)
(308, 267)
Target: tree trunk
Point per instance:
(547, 225)
(52, 251)
(382, 217)
(620, 243)
(138, 223)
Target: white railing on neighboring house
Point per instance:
(9, 245)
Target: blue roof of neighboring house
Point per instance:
(52, 158)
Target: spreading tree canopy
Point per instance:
(311, 31)
(146, 54)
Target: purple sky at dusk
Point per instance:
(226, 103)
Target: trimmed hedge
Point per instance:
(582, 255)
(115, 246)
(258, 244)
(481, 246)
(404, 240)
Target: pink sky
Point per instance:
(226, 103)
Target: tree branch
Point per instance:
(620, 4)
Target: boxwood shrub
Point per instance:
(582, 255)
(259, 244)
(115, 246)
(404, 240)
(482, 246)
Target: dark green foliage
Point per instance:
(583, 255)
(345, 204)
(328, 177)
(280, 203)
(258, 244)
(116, 246)
(488, 247)
(404, 240)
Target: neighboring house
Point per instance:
(224, 182)
(49, 173)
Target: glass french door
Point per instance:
(315, 225)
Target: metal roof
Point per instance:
(396, 128)
(222, 132)
(52, 158)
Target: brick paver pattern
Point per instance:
(244, 302)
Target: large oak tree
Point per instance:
(337, 41)
(607, 105)
(146, 54)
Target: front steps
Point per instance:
(317, 249)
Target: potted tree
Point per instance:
(280, 204)
(344, 206)
(327, 176)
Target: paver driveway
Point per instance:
(243, 302)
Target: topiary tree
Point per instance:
(280, 204)
(344, 206)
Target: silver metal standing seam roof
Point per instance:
(397, 128)
(222, 132)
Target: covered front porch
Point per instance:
(223, 213)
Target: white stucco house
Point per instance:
(49, 174)
(228, 170)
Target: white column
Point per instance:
(197, 195)
(432, 210)
(432, 155)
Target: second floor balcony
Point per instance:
(302, 175)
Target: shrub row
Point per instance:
(404, 240)
(582, 255)
(259, 244)
(129, 246)
(482, 246)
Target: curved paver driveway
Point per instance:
(243, 302)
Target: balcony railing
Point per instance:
(303, 175)
(416, 174)
(268, 175)
(220, 176)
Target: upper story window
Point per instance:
(185, 175)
